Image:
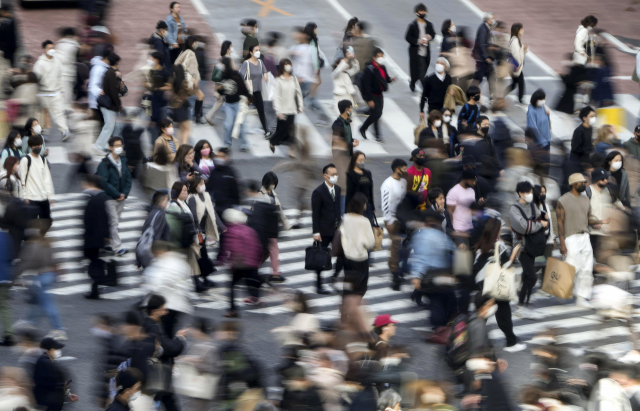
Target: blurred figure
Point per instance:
(158, 42)
(392, 192)
(177, 30)
(389, 400)
(632, 145)
(167, 140)
(488, 390)
(68, 47)
(159, 174)
(318, 61)
(235, 93)
(299, 393)
(343, 143)
(182, 89)
(576, 75)
(459, 200)
(99, 66)
(156, 221)
(360, 180)
(463, 65)
(8, 34)
(112, 87)
(345, 69)
(419, 34)
(223, 183)
(96, 232)
(619, 180)
(15, 389)
(249, 29)
(157, 83)
(518, 50)
(540, 200)
(482, 51)
(10, 179)
(129, 382)
(287, 102)
(434, 87)
(51, 388)
(207, 221)
(604, 141)
(363, 44)
(49, 70)
(257, 72)
(188, 59)
(226, 51)
(584, 46)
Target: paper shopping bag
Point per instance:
(558, 278)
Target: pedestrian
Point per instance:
(528, 225)
(619, 181)
(235, 93)
(582, 141)
(158, 42)
(158, 81)
(633, 144)
(49, 70)
(299, 394)
(111, 90)
(32, 127)
(483, 53)
(129, 383)
(433, 129)
(375, 82)
(176, 32)
(287, 102)
(434, 87)
(8, 34)
(419, 177)
(601, 203)
(345, 69)
(188, 59)
(241, 249)
(116, 183)
(459, 201)
(223, 183)
(15, 390)
(483, 148)
(226, 50)
(449, 36)
(169, 276)
(249, 29)
(183, 87)
(67, 49)
(10, 179)
(253, 69)
(518, 50)
(470, 112)
(157, 217)
(342, 143)
(419, 34)
(360, 180)
(318, 60)
(607, 136)
(438, 204)
(203, 157)
(207, 220)
(167, 140)
(36, 180)
(574, 217)
(325, 216)
(99, 66)
(185, 163)
(51, 388)
(584, 45)
(12, 146)
(538, 120)
(540, 200)
(392, 192)
(96, 231)
(449, 133)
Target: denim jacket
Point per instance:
(432, 250)
(172, 32)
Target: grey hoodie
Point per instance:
(520, 225)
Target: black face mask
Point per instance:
(543, 197)
(422, 15)
(637, 136)
(581, 188)
(477, 98)
(37, 151)
(602, 183)
(421, 161)
(485, 130)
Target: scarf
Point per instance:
(347, 129)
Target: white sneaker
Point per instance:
(58, 335)
(522, 312)
(582, 302)
(515, 348)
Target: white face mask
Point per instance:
(169, 131)
(540, 103)
(380, 61)
(453, 29)
(51, 53)
(195, 46)
(201, 189)
(134, 397)
(439, 68)
(616, 165)
(57, 354)
(272, 187)
(151, 63)
(428, 398)
(17, 142)
(37, 129)
(446, 119)
(528, 197)
(491, 311)
(592, 121)
(288, 68)
(437, 123)
(333, 179)
(118, 150)
(256, 54)
(256, 32)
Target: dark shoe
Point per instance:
(363, 133)
(379, 140)
(121, 252)
(412, 87)
(395, 285)
(8, 341)
(417, 297)
(296, 227)
(323, 290)
(92, 296)
(277, 279)
(208, 283)
(272, 147)
(108, 249)
(231, 314)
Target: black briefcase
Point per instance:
(111, 279)
(317, 258)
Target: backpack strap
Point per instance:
(588, 191)
(26, 178)
(523, 215)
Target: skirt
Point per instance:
(356, 277)
(182, 113)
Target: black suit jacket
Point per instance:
(413, 37)
(325, 212)
(96, 221)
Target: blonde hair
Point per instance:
(603, 133)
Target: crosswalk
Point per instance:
(577, 327)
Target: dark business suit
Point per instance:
(325, 216)
(96, 235)
(418, 64)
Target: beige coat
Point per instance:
(518, 52)
(188, 59)
(462, 64)
(342, 83)
(211, 226)
(161, 141)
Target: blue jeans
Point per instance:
(107, 131)
(46, 304)
(230, 113)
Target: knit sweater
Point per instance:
(287, 96)
(49, 72)
(357, 237)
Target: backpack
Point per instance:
(26, 177)
(535, 243)
(187, 231)
(457, 350)
(143, 248)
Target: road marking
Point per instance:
(267, 6)
(400, 122)
(200, 7)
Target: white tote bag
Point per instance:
(189, 382)
(499, 282)
(268, 87)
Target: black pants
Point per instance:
(283, 131)
(374, 115)
(257, 101)
(169, 322)
(529, 277)
(517, 81)
(168, 399)
(44, 208)
(418, 67)
(483, 69)
(95, 269)
(326, 241)
(204, 262)
(252, 280)
(443, 306)
(503, 318)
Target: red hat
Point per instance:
(383, 320)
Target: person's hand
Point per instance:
(428, 37)
(526, 48)
(52, 201)
(393, 79)
(174, 46)
(563, 248)
(356, 143)
(183, 332)
(464, 123)
(597, 226)
(371, 104)
(469, 401)
(190, 176)
(482, 200)
(74, 397)
(421, 115)
(423, 41)
(502, 365)
(606, 221)
(265, 77)
(317, 237)
(121, 198)
(299, 111)
(489, 61)
(545, 223)
(462, 247)
(281, 116)
(416, 283)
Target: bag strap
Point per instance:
(375, 221)
(26, 178)
(496, 253)
(523, 215)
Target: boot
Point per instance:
(198, 113)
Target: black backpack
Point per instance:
(457, 351)
(535, 243)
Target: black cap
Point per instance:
(415, 152)
(637, 129)
(161, 25)
(469, 174)
(598, 174)
(49, 343)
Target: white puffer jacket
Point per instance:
(342, 83)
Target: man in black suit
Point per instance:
(96, 233)
(419, 33)
(325, 214)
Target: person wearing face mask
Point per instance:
(116, 182)
(167, 140)
(433, 129)
(223, 182)
(614, 164)
(434, 87)
(249, 29)
(633, 144)
(51, 387)
(392, 192)
(129, 383)
(226, 51)
(419, 34)
(254, 70)
(12, 146)
(449, 133)
(528, 225)
(287, 102)
(574, 218)
(583, 44)
(345, 69)
(470, 112)
(159, 43)
(190, 62)
(518, 50)
(176, 30)
(36, 179)
(201, 207)
(540, 200)
(375, 81)
(449, 37)
(360, 180)
(601, 203)
(419, 177)
(49, 69)
(482, 51)
(343, 143)
(325, 215)
(204, 157)
(582, 140)
(111, 89)
(538, 119)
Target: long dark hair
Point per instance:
(515, 30)
(537, 191)
(354, 158)
(350, 25)
(188, 45)
(178, 77)
(29, 125)
(606, 164)
(309, 30)
(13, 134)
(193, 185)
(199, 146)
(182, 152)
(270, 178)
(176, 189)
(357, 204)
(446, 25)
(489, 236)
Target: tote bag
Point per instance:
(499, 282)
(558, 278)
(189, 382)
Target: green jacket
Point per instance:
(249, 42)
(113, 184)
(633, 147)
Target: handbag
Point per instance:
(143, 248)
(418, 130)
(189, 382)
(378, 234)
(216, 76)
(317, 258)
(499, 282)
(336, 244)
(104, 101)
(247, 78)
(158, 377)
(462, 262)
(558, 278)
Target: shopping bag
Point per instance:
(462, 262)
(418, 130)
(268, 87)
(247, 78)
(558, 278)
(499, 282)
(240, 117)
(336, 244)
(317, 258)
(378, 233)
(189, 382)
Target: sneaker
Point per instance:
(268, 135)
(92, 296)
(323, 290)
(278, 279)
(252, 301)
(516, 347)
(58, 335)
(524, 312)
(121, 252)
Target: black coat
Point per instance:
(118, 406)
(412, 36)
(224, 185)
(161, 230)
(373, 83)
(483, 36)
(157, 42)
(434, 91)
(301, 400)
(360, 183)
(96, 221)
(49, 383)
(325, 212)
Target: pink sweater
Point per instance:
(241, 247)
